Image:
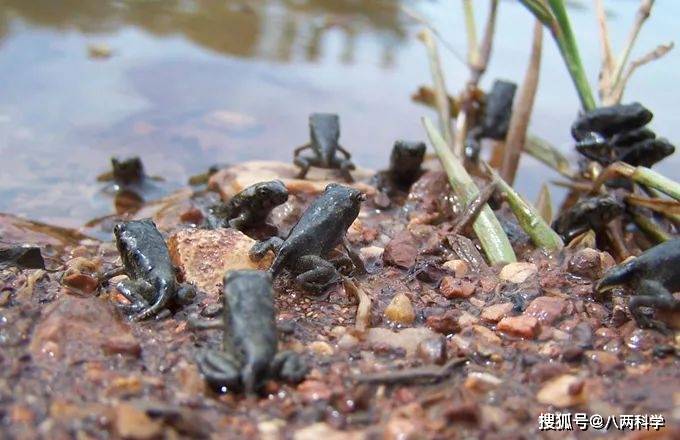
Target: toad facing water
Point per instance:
(654, 276)
(324, 131)
(320, 229)
(151, 285)
(250, 207)
(249, 356)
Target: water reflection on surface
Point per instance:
(191, 83)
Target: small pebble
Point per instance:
(321, 348)
(400, 310)
(432, 350)
(459, 267)
(518, 272)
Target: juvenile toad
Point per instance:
(591, 213)
(151, 285)
(324, 130)
(250, 342)
(653, 276)
(321, 228)
(250, 207)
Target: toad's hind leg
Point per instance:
(652, 294)
(346, 166)
(219, 369)
(317, 274)
(289, 367)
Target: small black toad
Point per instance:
(590, 213)
(151, 285)
(127, 171)
(654, 276)
(250, 207)
(321, 228)
(495, 120)
(250, 342)
(618, 133)
(324, 129)
(405, 168)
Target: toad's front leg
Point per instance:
(220, 369)
(316, 274)
(137, 292)
(652, 294)
(259, 249)
(162, 298)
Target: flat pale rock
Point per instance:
(563, 391)
(203, 256)
(232, 180)
(408, 338)
(518, 272)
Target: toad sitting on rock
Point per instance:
(324, 129)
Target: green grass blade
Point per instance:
(569, 49)
(529, 219)
(493, 239)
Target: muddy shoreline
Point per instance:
(531, 336)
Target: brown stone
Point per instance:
(401, 251)
(586, 263)
(546, 309)
(524, 326)
(203, 256)
(445, 323)
(496, 312)
(80, 281)
(459, 267)
(312, 390)
(133, 423)
(452, 287)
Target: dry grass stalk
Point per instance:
(519, 122)
(440, 95)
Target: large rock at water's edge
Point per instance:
(203, 256)
(232, 180)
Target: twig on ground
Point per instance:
(414, 375)
(473, 208)
(363, 317)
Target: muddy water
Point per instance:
(192, 83)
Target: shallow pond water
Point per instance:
(192, 83)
